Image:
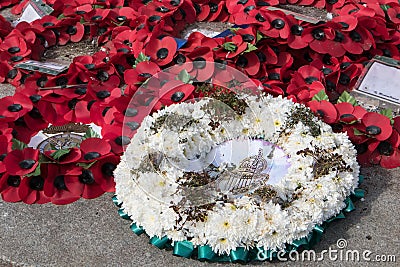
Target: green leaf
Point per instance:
(97, 6)
(141, 58)
(82, 21)
(259, 36)
(86, 165)
(184, 76)
(90, 133)
(346, 97)
(250, 47)
(61, 16)
(59, 153)
(357, 132)
(321, 96)
(234, 29)
(388, 113)
(36, 172)
(385, 7)
(18, 145)
(230, 46)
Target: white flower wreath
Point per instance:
(166, 184)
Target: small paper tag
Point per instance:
(378, 86)
(51, 68)
(35, 9)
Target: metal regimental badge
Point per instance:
(248, 173)
(62, 137)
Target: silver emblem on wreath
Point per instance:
(246, 176)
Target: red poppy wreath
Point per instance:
(314, 64)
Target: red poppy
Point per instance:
(14, 107)
(324, 110)
(248, 63)
(84, 183)
(320, 38)
(232, 46)
(393, 14)
(305, 83)
(9, 186)
(295, 39)
(55, 184)
(31, 190)
(143, 71)
(376, 126)
(103, 170)
(278, 26)
(114, 135)
(21, 162)
(161, 51)
(5, 147)
(202, 62)
(71, 30)
(173, 91)
(94, 149)
(348, 113)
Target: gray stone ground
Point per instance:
(90, 232)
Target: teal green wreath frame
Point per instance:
(241, 254)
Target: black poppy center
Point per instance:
(199, 63)
(122, 140)
(296, 30)
(274, 76)
(260, 18)
(332, 2)
(133, 125)
(59, 182)
(318, 34)
(175, 2)
(213, 7)
(14, 107)
(14, 180)
(80, 91)
(373, 130)
(327, 71)
(248, 37)
(177, 96)
(145, 75)
(330, 86)
(278, 24)
(242, 2)
(102, 75)
(2, 156)
(339, 37)
(310, 79)
(35, 98)
(355, 36)
(91, 155)
(344, 25)
(72, 30)
(72, 103)
(131, 112)
(344, 79)
(103, 94)
(344, 65)
(13, 50)
(385, 148)
(162, 53)
(36, 183)
(242, 62)
(27, 163)
(248, 9)
(35, 113)
(108, 168)
(86, 177)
